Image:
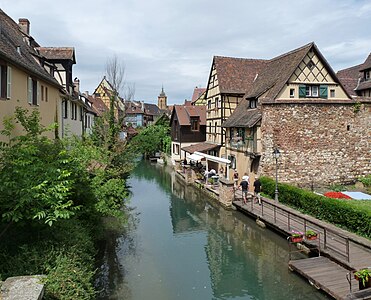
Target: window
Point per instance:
(176, 149)
(44, 93)
(292, 93)
(195, 124)
(252, 103)
(216, 102)
(232, 158)
(5, 81)
(313, 91)
(210, 128)
(332, 93)
(73, 111)
(65, 109)
(310, 65)
(241, 134)
(367, 75)
(209, 104)
(33, 91)
(215, 125)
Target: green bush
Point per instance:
(343, 213)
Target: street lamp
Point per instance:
(276, 155)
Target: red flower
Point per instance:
(336, 195)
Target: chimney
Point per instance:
(76, 85)
(87, 93)
(24, 24)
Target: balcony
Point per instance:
(249, 146)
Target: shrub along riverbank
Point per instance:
(53, 196)
(352, 215)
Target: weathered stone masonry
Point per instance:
(320, 143)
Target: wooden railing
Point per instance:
(289, 220)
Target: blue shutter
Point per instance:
(323, 91)
(302, 92)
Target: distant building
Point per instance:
(357, 79)
(198, 97)
(188, 127)
(162, 100)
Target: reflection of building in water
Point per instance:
(240, 255)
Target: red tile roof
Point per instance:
(58, 53)
(236, 75)
(349, 78)
(197, 92)
(184, 113)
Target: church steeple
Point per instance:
(162, 99)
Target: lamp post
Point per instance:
(276, 155)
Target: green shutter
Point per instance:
(323, 91)
(302, 91)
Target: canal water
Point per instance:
(179, 245)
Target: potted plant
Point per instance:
(296, 236)
(310, 235)
(364, 278)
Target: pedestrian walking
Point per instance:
(257, 190)
(244, 185)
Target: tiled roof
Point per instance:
(98, 105)
(367, 64)
(349, 78)
(15, 49)
(277, 72)
(197, 92)
(184, 113)
(151, 109)
(236, 75)
(200, 147)
(58, 53)
(243, 117)
(364, 85)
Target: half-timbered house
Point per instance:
(357, 79)
(228, 81)
(188, 127)
(297, 105)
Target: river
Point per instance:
(179, 245)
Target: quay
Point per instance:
(341, 252)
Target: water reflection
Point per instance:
(183, 246)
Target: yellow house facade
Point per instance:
(25, 82)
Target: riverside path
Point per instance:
(344, 252)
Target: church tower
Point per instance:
(162, 100)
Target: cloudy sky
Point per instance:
(172, 42)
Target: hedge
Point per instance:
(341, 213)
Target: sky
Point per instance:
(171, 43)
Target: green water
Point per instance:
(178, 245)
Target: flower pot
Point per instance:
(311, 237)
(296, 239)
(364, 286)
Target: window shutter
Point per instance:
(9, 82)
(323, 91)
(38, 93)
(302, 91)
(29, 92)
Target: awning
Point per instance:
(200, 147)
(195, 157)
(213, 158)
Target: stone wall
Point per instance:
(320, 144)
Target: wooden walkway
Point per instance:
(344, 251)
(324, 274)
